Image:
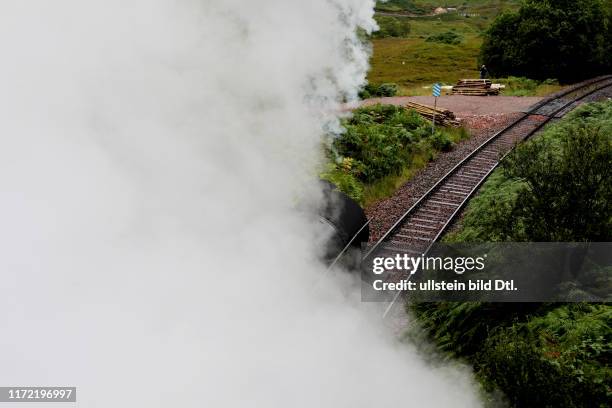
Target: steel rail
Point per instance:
(532, 111)
(484, 178)
(473, 191)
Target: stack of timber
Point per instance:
(444, 117)
(474, 87)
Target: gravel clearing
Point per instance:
(463, 105)
(385, 213)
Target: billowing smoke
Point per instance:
(152, 155)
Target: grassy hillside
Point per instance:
(412, 61)
(401, 6)
(484, 7)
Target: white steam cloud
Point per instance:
(152, 152)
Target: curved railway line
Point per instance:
(427, 220)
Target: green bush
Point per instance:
(462, 328)
(344, 176)
(448, 37)
(378, 90)
(567, 187)
(388, 115)
(379, 148)
(521, 86)
(379, 138)
(379, 143)
(560, 359)
(442, 142)
(565, 39)
(543, 355)
(556, 187)
(387, 89)
(488, 213)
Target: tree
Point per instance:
(555, 187)
(567, 189)
(563, 39)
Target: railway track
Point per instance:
(427, 220)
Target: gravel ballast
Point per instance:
(385, 213)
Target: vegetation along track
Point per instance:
(427, 220)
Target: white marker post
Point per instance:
(437, 89)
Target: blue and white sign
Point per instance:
(437, 89)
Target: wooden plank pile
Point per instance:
(474, 87)
(444, 117)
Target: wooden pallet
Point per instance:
(444, 117)
(474, 87)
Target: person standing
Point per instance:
(484, 72)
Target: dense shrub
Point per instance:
(391, 27)
(462, 328)
(567, 189)
(378, 90)
(378, 138)
(565, 39)
(559, 359)
(344, 176)
(555, 187)
(380, 146)
(442, 142)
(539, 355)
(448, 37)
(521, 86)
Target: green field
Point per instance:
(412, 61)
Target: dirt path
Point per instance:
(463, 105)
